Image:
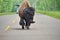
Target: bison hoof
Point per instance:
(32, 22)
(27, 27)
(22, 27)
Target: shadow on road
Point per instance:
(18, 29)
(23, 29)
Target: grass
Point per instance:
(7, 13)
(55, 14)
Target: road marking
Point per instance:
(7, 28)
(14, 21)
(17, 17)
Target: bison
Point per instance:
(26, 14)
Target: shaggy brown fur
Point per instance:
(24, 5)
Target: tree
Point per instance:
(48, 5)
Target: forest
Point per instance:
(48, 5)
(39, 5)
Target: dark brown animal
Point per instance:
(26, 14)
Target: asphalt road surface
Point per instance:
(45, 28)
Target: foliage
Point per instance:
(8, 5)
(55, 14)
(44, 5)
(7, 13)
(48, 5)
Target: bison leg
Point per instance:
(22, 26)
(27, 27)
(31, 21)
(27, 24)
(22, 23)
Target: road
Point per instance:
(45, 28)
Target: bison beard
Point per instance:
(27, 17)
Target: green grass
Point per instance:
(7, 13)
(55, 14)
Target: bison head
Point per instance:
(28, 14)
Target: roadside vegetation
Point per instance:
(47, 7)
(7, 13)
(55, 14)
